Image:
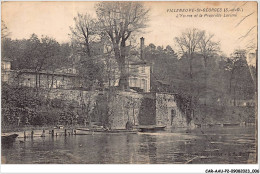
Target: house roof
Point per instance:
(136, 60)
(47, 72)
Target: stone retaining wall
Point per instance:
(117, 108)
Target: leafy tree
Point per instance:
(151, 47)
(240, 79)
(37, 54)
(163, 65)
(207, 47)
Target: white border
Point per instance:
(117, 168)
(129, 168)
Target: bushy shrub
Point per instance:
(39, 119)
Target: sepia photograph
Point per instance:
(133, 82)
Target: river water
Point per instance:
(216, 145)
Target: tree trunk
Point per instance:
(109, 74)
(36, 80)
(123, 76)
(123, 57)
(205, 63)
(48, 84)
(52, 78)
(134, 114)
(235, 86)
(120, 58)
(39, 80)
(88, 49)
(230, 84)
(190, 58)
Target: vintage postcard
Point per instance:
(129, 82)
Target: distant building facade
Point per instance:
(139, 76)
(139, 71)
(6, 71)
(45, 79)
(68, 78)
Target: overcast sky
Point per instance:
(54, 18)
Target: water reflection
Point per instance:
(199, 146)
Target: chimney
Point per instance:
(142, 47)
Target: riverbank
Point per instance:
(215, 145)
(31, 132)
(60, 130)
(11, 129)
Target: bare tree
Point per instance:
(189, 43)
(85, 36)
(84, 31)
(110, 69)
(207, 47)
(119, 20)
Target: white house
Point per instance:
(139, 76)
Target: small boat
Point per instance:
(150, 128)
(82, 131)
(85, 131)
(231, 124)
(123, 131)
(7, 139)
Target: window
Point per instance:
(133, 70)
(5, 77)
(55, 83)
(143, 84)
(135, 82)
(32, 84)
(173, 114)
(3, 65)
(8, 66)
(142, 69)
